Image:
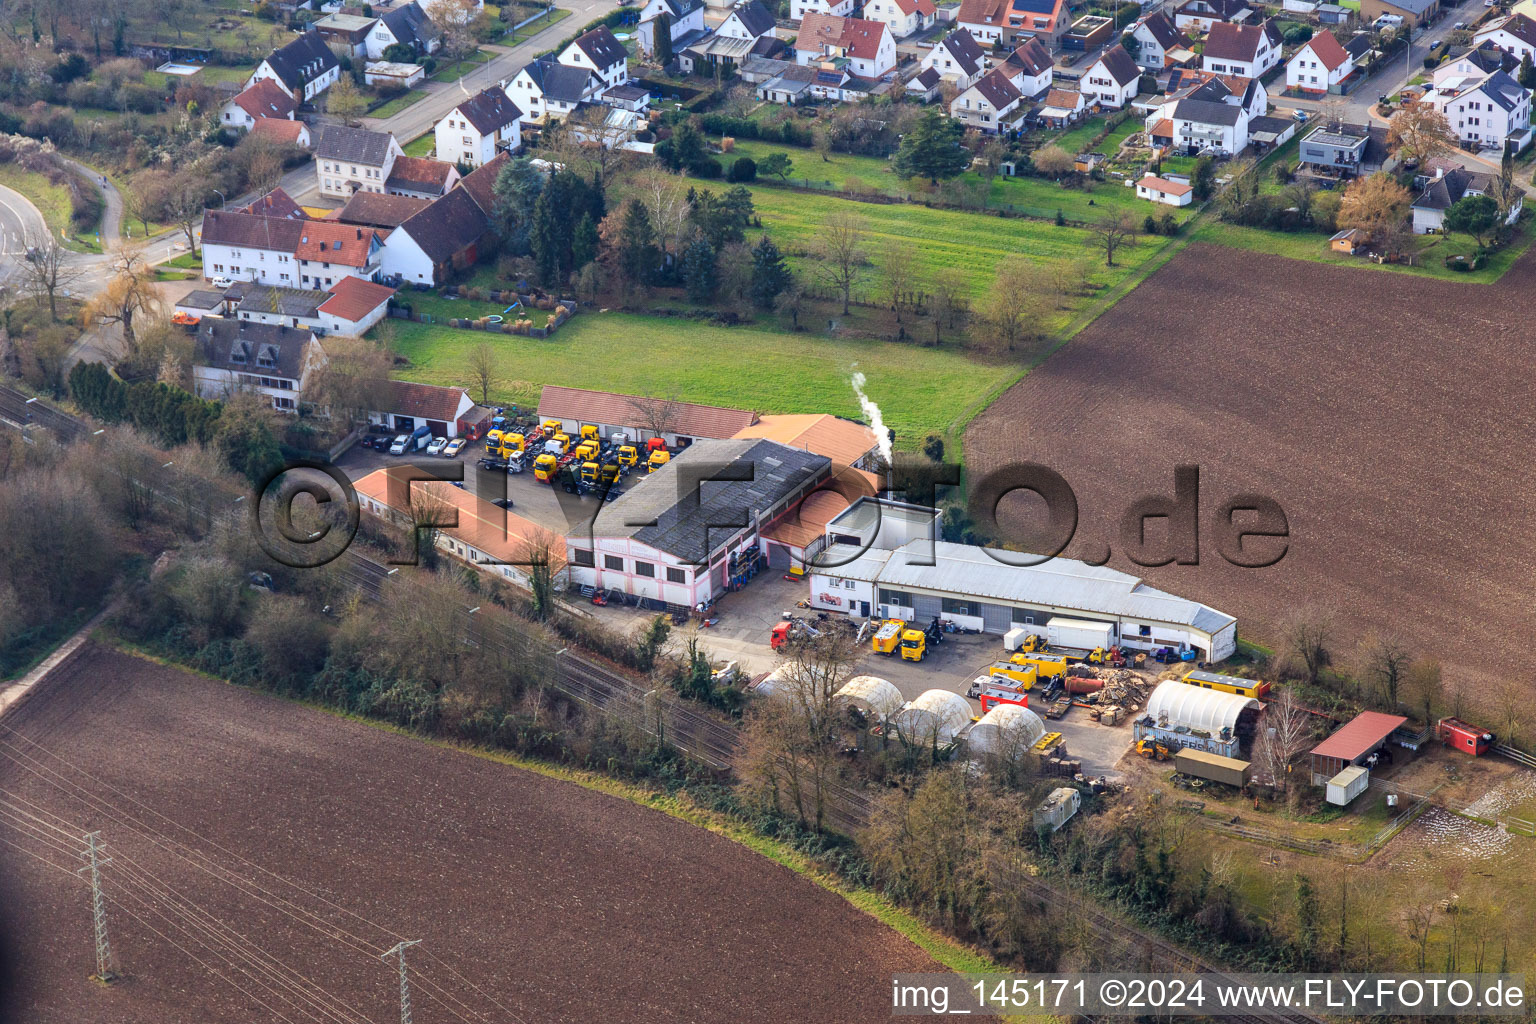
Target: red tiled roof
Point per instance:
(1172, 188)
(1233, 42)
(1327, 50)
(609, 409)
(983, 12)
(1065, 99)
(353, 298)
(331, 242)
(923, 7)
(858, 37)
(1359, 735)
(276, 203)
(266, 99)
(278, 129)
(1163, 129)
(425, 401)
(421, 170)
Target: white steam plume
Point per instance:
(876, 421)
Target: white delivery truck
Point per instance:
(1079, 634)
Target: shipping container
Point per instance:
(1212, 767)
(1047, 666)
(1348, 784)
(1014, 638)
(1080, 633)
(1227, 684)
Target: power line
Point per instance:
(405, 984)
(94, 863)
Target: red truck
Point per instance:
(1469, 739)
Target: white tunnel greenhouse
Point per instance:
(934, 718)
(874, 696)
(1006, 729)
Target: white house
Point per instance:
(1010, 22)
(957, 58)
(472, 132)
(1484, 109)
(407, 24)
(685, 23)
(304, 67)
(1202, 15)
(247, 247)
(354, 305)
(437, 241)
(1113, 80)
(1447, 188)
(1160, 43)
(1515, 34)
(544, 89)
(1061, 107)
(798, 9)
(864, 49)
(1199, 125)
(349, 160)
(750, 19)
(1030, 68)
(600, 53)
(1192, 83)
(903, 17)
(1248, 51)
(237, 356)
(1166, 191)
(987, 104)
(263, 98)
(1318, 66)
(329, 251)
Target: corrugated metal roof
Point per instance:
(845, 561)
(1358, 735)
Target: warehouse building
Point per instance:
(680, 424)
(1353, 744)
(1184, 716)
(675, 540)
(883, 559)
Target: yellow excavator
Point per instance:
(1152, 750)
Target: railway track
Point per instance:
(695, 733)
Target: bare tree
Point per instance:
(46, 269)
(1283, 735)
(130, 295)
(665, 198)
(186, 197)
(1510, 704)
(657, 415)
(344, 101)
(482, 364)
(898, 276)
(839, 252)
(1423, 687)
(1309, 637)
(353, 379)
(1112, 233)
(1386, 661)
(1421, 133)
(1014, 301)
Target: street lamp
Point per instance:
(221, 198)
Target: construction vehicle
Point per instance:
(503, 445)
(660, 457)
(888, 636)
(914, 644)
(628, 456)
(1032, 642)
(1152, 750)
(1023, 677)
(1046, 666)
(545, 467)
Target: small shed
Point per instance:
(1004, 729)
(1058, 808)
(935, 718)
(1347, 785)
(1346, 241)
(1354, 741)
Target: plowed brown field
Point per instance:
(1391, 416)
(557, 903)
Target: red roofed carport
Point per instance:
(1352, 743)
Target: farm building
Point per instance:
(690, 531)
(680, 424)
(884, 560)
(1186, 716)
(1005, 729)
(1058, 808)
(1354, 742)
(934, 719)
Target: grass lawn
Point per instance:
(52, 201)
(451, 72)
(1314, 246)
(397, 104)
(422, 145)
(211, 74)
(529, 31)
(919, 389)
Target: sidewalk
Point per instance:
(15, 693)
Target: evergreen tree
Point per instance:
(770, 274)
(637, 245)
(584, 242)
(545, 238)
(699, 271)
(1527, 73)
(664, 39)
(517, 188)
(932, 149)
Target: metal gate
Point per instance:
(996, 618)
(924, 608)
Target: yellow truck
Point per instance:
(493, 443)
(888, 636)
(1046, 666)
(589, 473)
(1021, 676)
(660, 457)
(544, 468)
(589, 432)
(551, 427)
(914, 644)
(586, 451)
(628, 456)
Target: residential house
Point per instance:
(346, 32)
(1030, 68)
(247, 247)
(276, 203)
(1205, 125)
(262, 98)
(354, 306)
(1445, 189)
(1514, 35)
(750, 19)
(925, 86)
(988, 104)
(957, 58)
(718, 50)
(1009, 22)
(304, 67)
(472, 132)
(407, 24)
(422, 178)
(545, 89)
(798, 9)
(633, 98)
(1342, 150)
(599, 52)
(1165, 191)
(329, 251)
(351, 307)
(1202, 15)
(431, 245)
(1319, 66)
(1160, 43)
(1414, 13)
(862, 48)
(1060, 108)
(1484, 110)
(281, 132)
(349, 160)
(903, 17)
(236, 356)
(685, 24)
(1248, 51)
(1113, 80)
(1193, 83)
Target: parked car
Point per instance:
(1459, 26)
(502, 503)
(454, 447)
(221, 283)
(436, 445)
(377, 442)
(400, 445)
